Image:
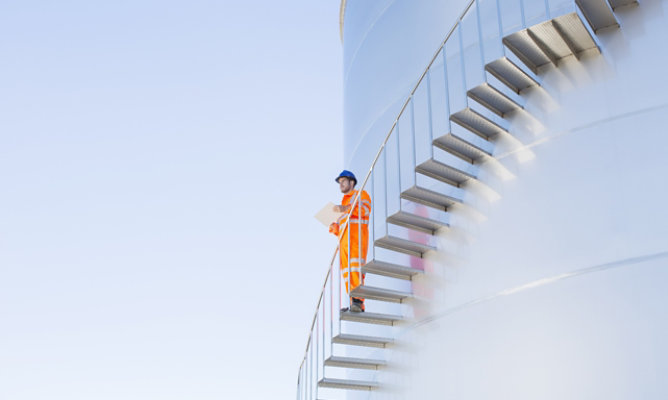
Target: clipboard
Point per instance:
(327, 215)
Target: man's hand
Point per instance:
(334, 228)
(342, 209)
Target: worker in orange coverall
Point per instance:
(352, 251)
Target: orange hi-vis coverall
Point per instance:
(354, 250)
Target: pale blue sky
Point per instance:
(160, 165)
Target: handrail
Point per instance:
(373, 164)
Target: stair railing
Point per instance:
(321, 333)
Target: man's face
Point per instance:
(346, 185)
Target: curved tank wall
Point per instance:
(551, 281)
(386, 46)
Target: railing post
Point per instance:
(447, 89)
(413, 140)
(429, 116)
(547, 9)
(480, 39)
(385, 191)
(463, 60)
(372, 217)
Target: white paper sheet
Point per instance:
(327, 215)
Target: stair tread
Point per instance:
(443, 172)
(493, 99)
(429, 197)
(410, 220)
(615, 4)
(382, 294)
(403, 245)
(460, 147)
(574, 32)
(389, 269)
(353, 362)
(526, 49)
(598, 14)
(362, 340)
(371, 318)
(510, 74)
(347, 384)
(477, 123)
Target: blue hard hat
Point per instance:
(346, 174)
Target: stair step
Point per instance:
(412, 221)
(526, 49)
(510, 74)
(388, 269)
(353, 362)
(403, 245)
(598, 14)
(493, 99)
(574, 33)
(550, 41)
(370, 318)
(477, 123)
(461, 148)
(429, 198)
(361, 340)
(443, 172)
(347, 384)
(376, 293)
(615, 4)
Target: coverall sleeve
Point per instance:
(365, 209)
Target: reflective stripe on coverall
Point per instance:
(355, 250)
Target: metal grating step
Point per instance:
(412, 221)
(347, 384)
(403, 246)
(574, 33)
(522, 44)
(550, 41)
(598, 14)
(476, 123)
(429, 198)
(371, 318)
(510, 74)
(461, 148)
(493, 99)
(361, 340)
(352, 362)
(376, 293)
(443, 172)
(615, 4)
(388, 269)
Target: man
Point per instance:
(354, 240)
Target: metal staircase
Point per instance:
(439, 184)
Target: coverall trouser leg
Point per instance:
(355, 254)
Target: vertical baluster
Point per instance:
(480, 39)
(397, 133)
(372, 220)
(385, 191)
(308, 375)
(462, 58)
(429, 115)
(447, 89)
(331, 306)
(323, 332)
(359, 234)
(547, 9)
(349, 281)
(498, 13)
(317, 353)
(412, 110)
